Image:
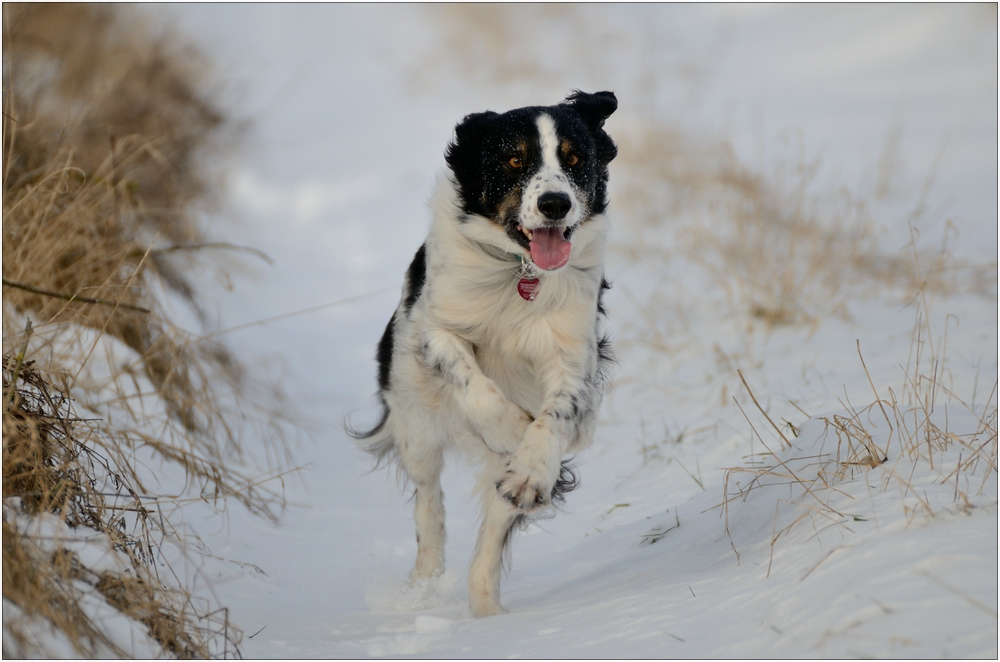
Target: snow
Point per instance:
(92, 549)
(352, 114)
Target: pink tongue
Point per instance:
(549, 250)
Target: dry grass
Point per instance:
(56, 463)
(781, 252)
(784, 247)
(109, 129)
(889, 441)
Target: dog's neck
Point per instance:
(526, 268)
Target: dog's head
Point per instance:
(538, 173)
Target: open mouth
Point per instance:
(549, 246)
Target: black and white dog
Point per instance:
(496, 348)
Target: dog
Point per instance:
(497, 347)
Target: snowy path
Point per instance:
(335, 189)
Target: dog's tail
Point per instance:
(378, 441)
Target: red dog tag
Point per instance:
(527, 288)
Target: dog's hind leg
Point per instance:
(487, 559)
(423, 468)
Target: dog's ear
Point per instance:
(473, 123)
(468, 137)
(465, 155)
(593, 108)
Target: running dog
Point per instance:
(497, 349)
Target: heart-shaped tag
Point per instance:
(527, 288)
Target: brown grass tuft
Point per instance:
(783, 246)
(109, 132)
(887, 442)
(104, 141)
(55, 463)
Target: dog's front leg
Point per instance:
(528, 476)
(500, 422)
(568, 413)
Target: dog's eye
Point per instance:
(572, 159)
(516, 162)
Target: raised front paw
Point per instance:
(525, 487)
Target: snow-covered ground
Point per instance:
(353, 106)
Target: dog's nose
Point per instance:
(554, 205)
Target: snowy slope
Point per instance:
(889, 561)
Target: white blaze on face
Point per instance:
(549, 247)
(550, 178)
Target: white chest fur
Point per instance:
(472, 292)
